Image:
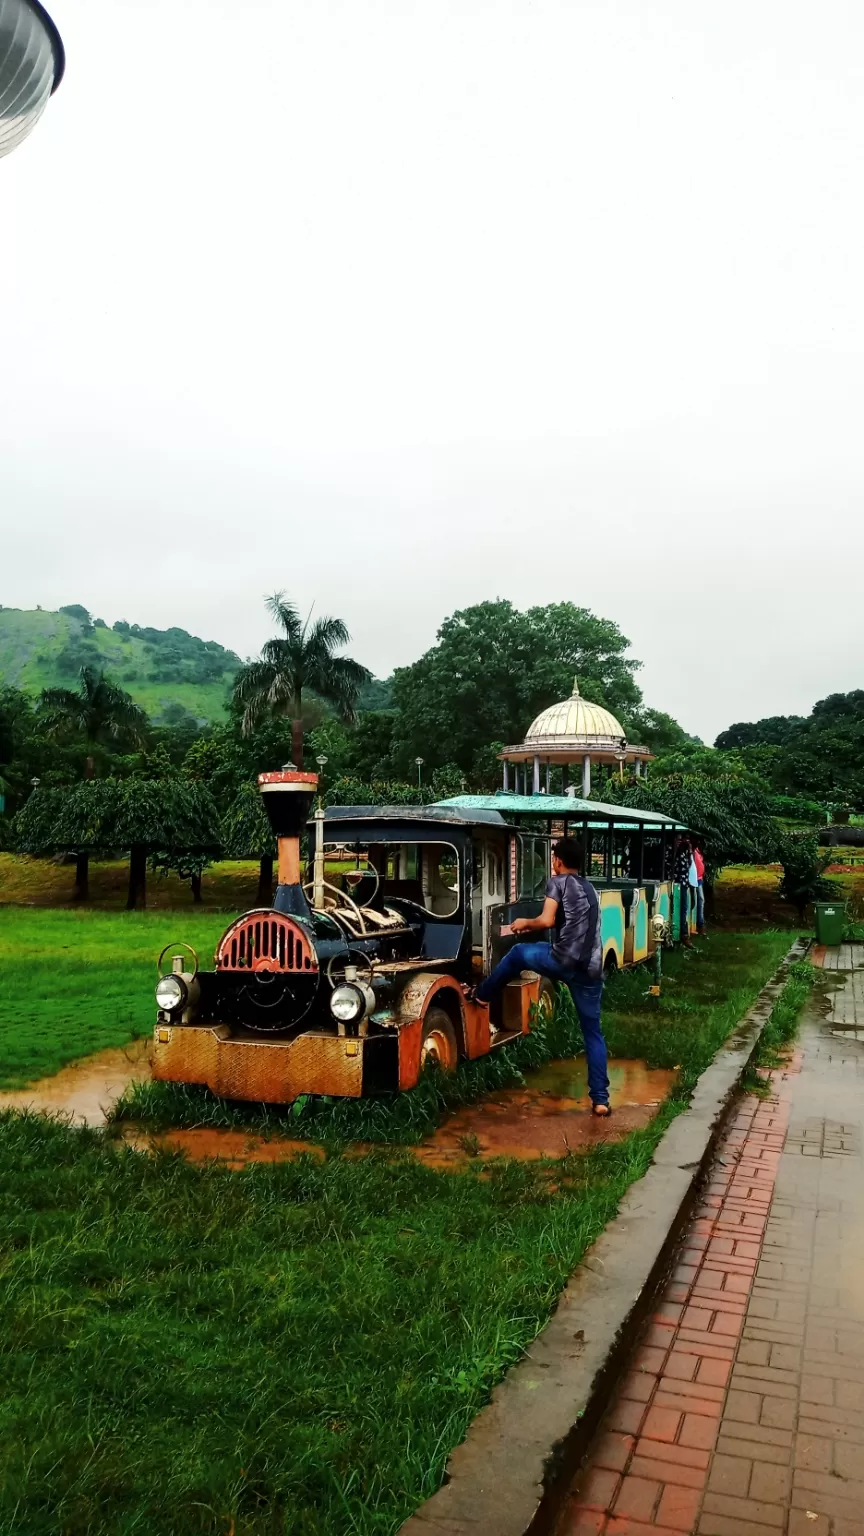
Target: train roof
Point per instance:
(560, 806)
(448, 812)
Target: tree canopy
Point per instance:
(820, 756)
(491, 671)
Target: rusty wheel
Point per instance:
(439, 1042)
(547, 1000)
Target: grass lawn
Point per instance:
(293, 1348)
(75, 982)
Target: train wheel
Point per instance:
(547, 1000)
(439, 1041)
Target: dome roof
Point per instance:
(573, 719)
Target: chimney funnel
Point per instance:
(288, 797)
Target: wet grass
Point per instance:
(76, 982)
(705, 991)
(293, 1349)
(289, 1349)
(782, 1026)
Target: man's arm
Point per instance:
(545, 920)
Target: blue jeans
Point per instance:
(700, 907)
(684, 914)
(586, 995)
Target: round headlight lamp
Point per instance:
(171, 993)
(347, 1003)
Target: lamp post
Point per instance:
(419, 764)
(32, 61)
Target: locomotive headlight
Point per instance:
(171, 993)
(347, 1003)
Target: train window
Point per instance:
(495, 872)
(440, 879)
(652, 856)
(623, 856)
(533, 866)
(597, 865)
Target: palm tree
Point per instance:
(104, 716)
(303, 659)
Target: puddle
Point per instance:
(549, 1117)
(86, 1090)
(205, 1144)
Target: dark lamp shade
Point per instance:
(31, 65)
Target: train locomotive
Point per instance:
(354, 980)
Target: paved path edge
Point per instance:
(523, 1448)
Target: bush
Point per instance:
(803, 863)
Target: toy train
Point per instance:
(351, 983)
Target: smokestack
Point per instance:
(288, 797)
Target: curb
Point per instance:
(523, 1449)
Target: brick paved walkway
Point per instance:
(743, 1411)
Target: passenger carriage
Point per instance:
(361, 974)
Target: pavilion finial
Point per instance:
(576, 694)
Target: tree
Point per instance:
(304, 658)
(98, 712)
(820, 757)
(78, 819)
(732, 816)
(247, 834)
(79, 612)
(803, 863)
(171, 820)
(491, 671)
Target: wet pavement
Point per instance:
(742, 1409)
(85, 1091)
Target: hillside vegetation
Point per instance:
(167, 671)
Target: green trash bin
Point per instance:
(830, 922)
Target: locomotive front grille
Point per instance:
(265, 941)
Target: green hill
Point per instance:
(165, 670)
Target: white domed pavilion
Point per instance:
(573, 732)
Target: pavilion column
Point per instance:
(548, 777)
(535, 786)
(564, 778)
(586, 776)
(638, 767)
(506, 776)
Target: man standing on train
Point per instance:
(574, 957)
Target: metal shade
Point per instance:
(31, 67)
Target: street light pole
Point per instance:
(419, 762)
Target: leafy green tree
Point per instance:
(247, 834)
(654, 729)
(732, 816)
(303, 657)
(97, 712)
(820, 757)
(171, 820)
(494, 668)
(803, 864)
(79, 612)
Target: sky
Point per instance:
(401, 305)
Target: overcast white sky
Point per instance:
(403, 304)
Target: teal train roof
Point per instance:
(568, 806)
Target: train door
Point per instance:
(522, 896)
(488, 884)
